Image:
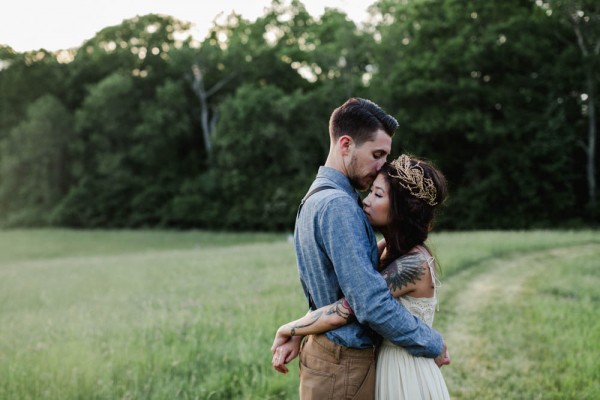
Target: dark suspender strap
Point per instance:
(315, 190)
(311, 303)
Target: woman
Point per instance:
(401, 204)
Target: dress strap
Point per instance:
(434, 279)
(436, 282)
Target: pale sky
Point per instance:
(62, 24)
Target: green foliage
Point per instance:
(24, 77)
(481, 79)
(105, 179)
(496, 93)
(257, 188)
(35, 163)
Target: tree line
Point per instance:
(146, 126)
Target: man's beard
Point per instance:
(360, 183)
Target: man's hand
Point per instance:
(444, 358)
(284, 353)
(280, 339)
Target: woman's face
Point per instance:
(377, 204)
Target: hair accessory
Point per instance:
(411, 178)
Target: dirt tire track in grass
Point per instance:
(503, 281)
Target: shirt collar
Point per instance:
(340, 180)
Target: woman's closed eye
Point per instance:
(374, 192)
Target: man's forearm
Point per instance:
(430, 348)
(318, 321)
(386, 316)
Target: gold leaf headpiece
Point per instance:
(411, 178)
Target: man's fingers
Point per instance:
(279, 362)
(282, 369)
(289, 358)
(443, 359)
(276, 343)
(278, 358)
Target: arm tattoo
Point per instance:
(315, 316)
(403, 271)
(341, 308)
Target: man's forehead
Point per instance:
(381, 142)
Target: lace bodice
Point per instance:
(421, 307)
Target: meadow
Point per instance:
(191, 315)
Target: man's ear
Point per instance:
(346, 143)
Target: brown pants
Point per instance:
(331, 371)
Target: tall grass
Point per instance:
(162, 315)
(29, 244)
(529, 330)
(187, 323)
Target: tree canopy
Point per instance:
(145, 126)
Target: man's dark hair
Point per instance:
(360, 119)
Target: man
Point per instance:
(337, 256)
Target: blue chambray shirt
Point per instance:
(336, 251)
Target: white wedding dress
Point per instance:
(401, 375)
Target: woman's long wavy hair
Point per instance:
(411, 218)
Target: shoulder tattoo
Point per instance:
(402, 272)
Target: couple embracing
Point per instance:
(368, 332)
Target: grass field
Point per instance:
(173, 315)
